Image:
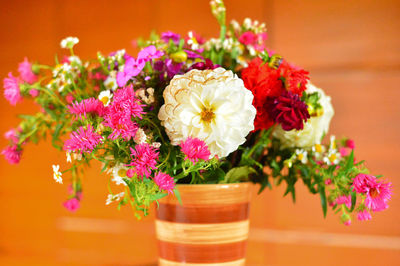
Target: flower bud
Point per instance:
(179, 57)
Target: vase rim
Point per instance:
(219, 185)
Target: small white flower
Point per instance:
(194, 45)
(105, 97)
(57, 175)
(332, 144)
(332, 158)
(69, 42)
(301, 155)
(69, 160)
(75, 59)
(111, 198)
(156, 145)
(111, 82)
(119, 172)
(140, 136)
(318, 149)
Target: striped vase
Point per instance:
(210, 227)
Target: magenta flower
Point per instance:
(149, 53)
(164, 182)
(169, 35)
(350, 144)
(377, 194)
(26, 73)
(87, 106)
(34, 93)
(195, 149)
(69, 98)
(344, 200)
(132, 68)
(11, 135)
(83, 140)
(124, 107)
(347, 222)
(11, 89)
(248, 38)
(208, 64)
(72, 204)
(12, 154)
(364, 215)
(344, 151)
(144, 159)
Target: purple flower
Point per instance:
(26, 73)
(149, 53)
(192, 55)
(172, 68)
(12, 154)
(132, 68)
(169, 35)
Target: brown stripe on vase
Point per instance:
(210, 227)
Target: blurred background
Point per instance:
(351, 48)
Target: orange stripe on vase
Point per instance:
(191, 253)
(163, 262)
(203, 214)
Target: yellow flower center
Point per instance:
(122, 172)
(207, 115)
(318, 148)
(104, 100)
(332, 157)
(300, 156)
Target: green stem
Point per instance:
(51, 95)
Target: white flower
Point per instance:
(105, 97)
(119, 172)
(301, 155)
(332, 158)
(192, 41)
(314, 128)
(111, 81)
(69, 42)
(69, 160)
(111, 198)
(140, 136)
(75, 59)
(318, 150)
(156, 145)
(57, 175)
(212, 105)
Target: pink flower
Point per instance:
(34, 93)
(350, 144)
(69, 98)
(377, 194)
(83, 140)
(169, 35)
(343, 151)
(144, 159)
(72, 204)
(364, 215)
(328, 181)
(164, 182)
(248, 38)
(347, 222)
(124, 107)
(195, 149)
(26, 73)
(11, 89)
(149, 53)
(344, 200)
(11, 135)
(132, 68)
(12, 154)
(87, 106)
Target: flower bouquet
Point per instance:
(192, 120)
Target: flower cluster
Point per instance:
(192, 110)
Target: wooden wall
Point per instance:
(352, 49)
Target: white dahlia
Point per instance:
(314, 128)
(212, 105)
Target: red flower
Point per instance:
(295, 78)
(263, 81)
(288, 110)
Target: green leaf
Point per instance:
(238, 174)
(353, 200)
(323, 200)
(157, 196)
(178, 196)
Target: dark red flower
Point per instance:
(263, 81)
(208, 64)
(288, 110)
(295, 78)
